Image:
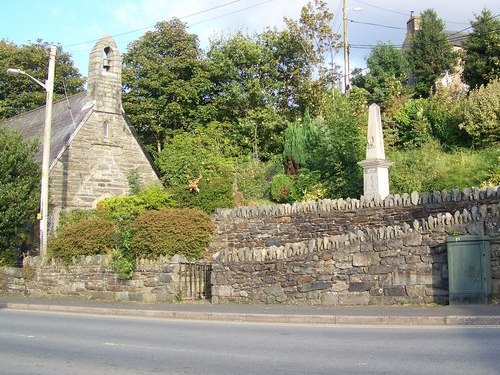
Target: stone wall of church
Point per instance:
(96, 164)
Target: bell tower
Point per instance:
(105, 76)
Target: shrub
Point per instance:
(308, 186)
(124, 208)
(169, 232)
(482, 115)
(89, 236)
(281, 188)
(412, 127)
(214, 192)
(19, 192)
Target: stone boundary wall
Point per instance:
(279, 225)
(384, 265)
(92, 277)
(328, 205)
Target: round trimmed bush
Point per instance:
(91, 235)
(168, 232)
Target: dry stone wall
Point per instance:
(343, 252)
(92, 277)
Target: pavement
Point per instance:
(408, 315)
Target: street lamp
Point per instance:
(44, 194)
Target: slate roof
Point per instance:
(455, 37)
(67, 115)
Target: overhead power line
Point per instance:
(377, 24)
(182, 18)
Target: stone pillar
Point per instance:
(375, 166)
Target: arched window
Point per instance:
(106, 61)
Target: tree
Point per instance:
(482, 50)
(19, 94)
(301, 137)
(19, 192)
(319, 44)
(430, 53)
(197, 170)
(388, 69)
(164, 82)
(248, 93)
(482, 114)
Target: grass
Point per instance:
(430, 168)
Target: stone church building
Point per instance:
(93, 145)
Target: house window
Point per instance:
(106, 63)
(105, 130)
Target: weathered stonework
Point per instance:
(327, 252)
(94, 278)
(103, 149)
(349, 252)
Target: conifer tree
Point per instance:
(482, 50)
(430, 53)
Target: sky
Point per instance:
(76, 25)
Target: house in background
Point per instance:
(452, 79)
(93, 145)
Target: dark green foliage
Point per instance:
(92, 235)
(412, 127)
(341, 145)
(165, 80)
(197, 170)
(169, 232)
(430, 53)
(482, 50)
(214, 192)
(19, 192)
(307, 185)
(20, 94)
(388, 70)
(123, 262)
(300, 138)
(281, 188)
(444, 113)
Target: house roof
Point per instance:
(67, 115)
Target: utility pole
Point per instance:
(49, 89)
(347, 81)
(44, 189)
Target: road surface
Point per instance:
(54, 343)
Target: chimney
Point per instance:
(413, 24)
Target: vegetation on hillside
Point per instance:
(258, 118)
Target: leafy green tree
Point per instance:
(482, 115)
(164, 82)
(197, 170)
(319, 43)
(246, 94)
(482, 50)
(340, 145)
(388, 70)
(430, 53)
(19, 192)
(21, 94)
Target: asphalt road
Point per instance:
(54, 343)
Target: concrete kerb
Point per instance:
(264, 318)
